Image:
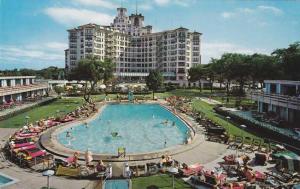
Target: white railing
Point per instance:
(279, 99)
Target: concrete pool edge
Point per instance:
(13, 180)
(49, 142)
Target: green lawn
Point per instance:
(158, 182)
(209, 113)
(58, 107)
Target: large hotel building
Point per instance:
(135, 49)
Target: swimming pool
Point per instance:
(116, 184)
(140, 128)
(6, 180)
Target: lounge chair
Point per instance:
(26, 134)
(191, 170)
(33, 153)
(20, 145)
(238, 143)
(16, 150)
(247, 145)
(256, 144)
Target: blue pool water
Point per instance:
(116, 184)
(140, 129)
(4, 180)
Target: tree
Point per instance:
(210, 72)
(217, 66)
(289, 61)
(92, 70)
(154, 81)
(196, 74)
(59, 89)
(263, 67)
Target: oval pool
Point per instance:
(140, 128)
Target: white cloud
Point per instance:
(227, 14)
(184, 3)
(57, 46)
(272, 9)
(246, 11)
(145, 6)
(37, 55)
(215, 50)
(162, 2)
(99, 3)
(74, 17)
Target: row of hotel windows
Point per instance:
(96, 34)
(135, 43)
(170, 64)
(179, 70)
(182, 58)
(90, 32)
(128, 52)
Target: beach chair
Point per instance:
(265, 147)
(247, 145)
(191, 170)
(231, 140)
(238, 143)
(121, 152)
(256, 144)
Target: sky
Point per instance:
(33, 33)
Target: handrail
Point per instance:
(277, 97)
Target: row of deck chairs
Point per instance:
(250, 145)
(27, 154)
(213, 131)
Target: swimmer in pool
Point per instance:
(173, 124)
(114, 134)
(165, 122)
(68, 134)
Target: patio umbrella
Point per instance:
(102, 86)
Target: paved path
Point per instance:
(210, 101)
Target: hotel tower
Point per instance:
(135, 49)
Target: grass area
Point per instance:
(209, 113)
(233, 100)
(56, 108)
(158, 182)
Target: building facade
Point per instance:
(135, 49)
(281, 97)
(18, 88)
